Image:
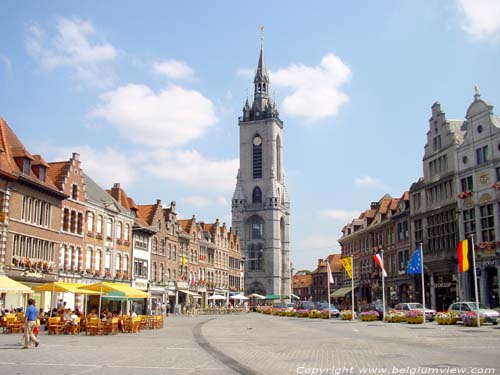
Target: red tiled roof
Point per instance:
(11, 148)
(56, 171)
(146, 212)
(302, 281)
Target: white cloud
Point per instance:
(104, 166)
(172, 117)
(316, 91)
(325, 244)
(192, 169)
(482, 18)
(7, 62)
(72, 48)
(199, 201)
(340, 215)
(245, 73)
(368, 181)
(174, 69)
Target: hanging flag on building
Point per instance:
(464, 255)
(415, 265)
(183, 260)
(378, 259)
(329, 271)
(347, 264)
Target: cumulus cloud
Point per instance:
(324, 244)
(8, 64)
(105, 166)
(368, 181)
(73, 49)
(246, 73)
(316, 91)
(203, 201)
(192, 169)
(340, 215)
(481, 18)
(171, 117)
(174, 69)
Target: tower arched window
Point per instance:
(256, 228)
(257, 195)
(257, 157)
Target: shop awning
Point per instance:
(8, 285)
(342, 291)
(117, 289)
(60, 287)
(189, 293)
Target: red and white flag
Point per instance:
(329, 271)
(378, 259)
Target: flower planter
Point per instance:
(446, 321)
(415, 320)
(346, 316)
(473, 322)
(394, 319)
(368, 318)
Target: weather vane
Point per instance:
(261, 28)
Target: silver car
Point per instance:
(490, 316)
(430, 314)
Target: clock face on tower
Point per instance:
(257, 141)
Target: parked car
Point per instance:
(375, 306)
(430, 314)
(324, 306)
(306, 305)
(290, 306)
(279, 305)
(490, 316)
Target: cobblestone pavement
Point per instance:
(260, 344)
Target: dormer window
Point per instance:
(42, 173)
(26, 166)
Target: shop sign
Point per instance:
(141, 285)
(182, 285)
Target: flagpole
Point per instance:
(383, 284)
(423, 282)
(475, 281)
(352, 287)
(328, 281)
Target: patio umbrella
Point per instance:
(8, 285)
(257, 296)
(216, 297)
(124, 290)
(61, 287)
(239, 297)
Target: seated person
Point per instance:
(133, 314)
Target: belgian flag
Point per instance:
(465, 255)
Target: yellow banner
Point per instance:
(183, 261)
(347, 264)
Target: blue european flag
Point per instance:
(415, 265)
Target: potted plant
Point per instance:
(368, 316)
(302, 313)
(324, 314)
(346, 314)
(414, 317)
(446, 318)
(314, 314)
(291, 313)
(469, 319)
(394, 316)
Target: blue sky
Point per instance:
(149, 94)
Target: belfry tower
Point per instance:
(260, 205)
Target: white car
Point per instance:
(430, 314)
(490, 316)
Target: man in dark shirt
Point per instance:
(30, 324)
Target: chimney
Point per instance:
(158, 202)
(172, 206)
(76, 156)
(374, 205)
(116, 185)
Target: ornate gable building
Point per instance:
(30, 215)
(260, 205)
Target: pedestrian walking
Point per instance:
(30, 324)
